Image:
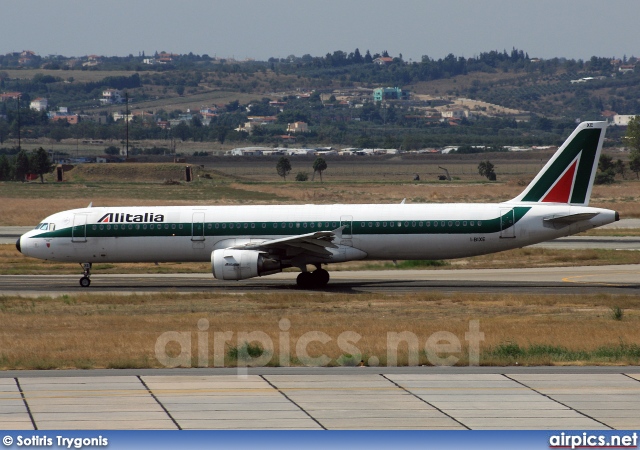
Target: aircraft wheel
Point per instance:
(321, 277)
(305, 280)
(85, 282)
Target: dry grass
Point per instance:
(93, 331)
(255, 182)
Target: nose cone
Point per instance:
(18, 245)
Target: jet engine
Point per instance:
(230, 264)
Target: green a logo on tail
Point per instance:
(569, 174)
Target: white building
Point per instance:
(622, 120)
(39, 104)
(297, 127)
(111, 96)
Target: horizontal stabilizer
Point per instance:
(564, 221)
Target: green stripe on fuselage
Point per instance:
(286, 228)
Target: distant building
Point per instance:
(10, 96)
(383, 60)
(389, 93)
(122, 116)
(39, 104)
(111, 96)
(456, 113)
(297, 127)
(622, 120)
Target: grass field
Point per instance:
(96, 331)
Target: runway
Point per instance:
(623, 279)
(343, 398)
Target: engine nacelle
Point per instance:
(230, 264)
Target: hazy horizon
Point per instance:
(251, 29)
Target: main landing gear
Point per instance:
(85, 281)
(310, 280)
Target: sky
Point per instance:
(260, 29)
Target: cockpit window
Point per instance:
(46, 227)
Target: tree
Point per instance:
(40, 163)
(621, 168)
(606, 170)
(112, 150)
(319, 165)
(302, 176)
(5, 168)
(486, 169)
(283, 167)
(633, 141)
(634, 162)
(22, 165)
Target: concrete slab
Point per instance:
(237, 415)
(377, 414)
(477, 384)
(213, 401)
(90, 400)
(12, 409)
(510, 406)
(101, 416)
(596, 397)
(481, 396)
(389, 423)
(577, 423)
(17, 425)
(397, 377)
(604, 405)
(276, 424)
(29, 381)
(635, 376)
(203, 407)
(621, 423)
(363, 406)
(461, 414)
(165, 424)
(97, 407)
(613, 413)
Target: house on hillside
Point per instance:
(39, 104)
(297, 127)
(622, 120)
(389, 93)
(383, 60)
(111, 96)
(10, 96)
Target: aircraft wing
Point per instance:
(315, 243)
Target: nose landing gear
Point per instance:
(85, 281)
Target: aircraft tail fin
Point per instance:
(568, 176)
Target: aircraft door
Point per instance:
(507, 223)
(79, 230)
(346, 221)
(197, 227)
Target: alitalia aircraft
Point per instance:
(251, 241)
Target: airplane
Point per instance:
(243, 242)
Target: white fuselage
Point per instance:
(371, 231)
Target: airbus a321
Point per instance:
(252, 241)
